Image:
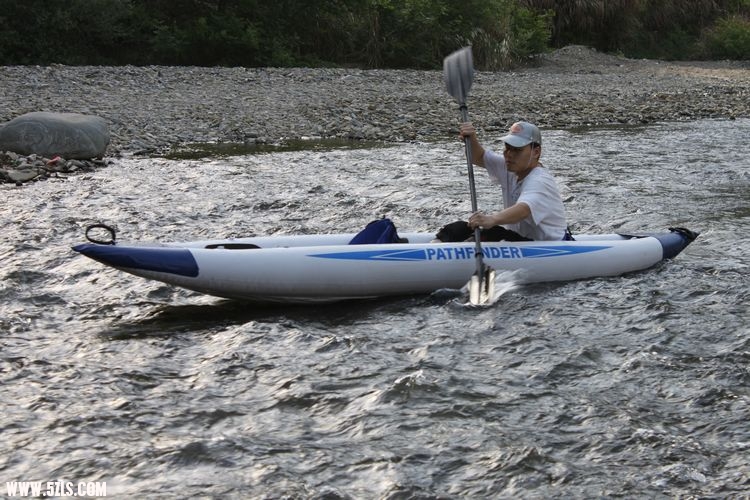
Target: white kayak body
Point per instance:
(326, 268)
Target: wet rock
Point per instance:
(69, 135)
(20, 169)
(23, 174)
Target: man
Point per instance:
(533, 208)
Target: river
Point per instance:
(615, 387)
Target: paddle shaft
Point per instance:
(458, 72)
(472, 189)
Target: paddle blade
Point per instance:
(482, 287)
(458, 72)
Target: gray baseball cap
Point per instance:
(522, 134)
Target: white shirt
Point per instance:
(538, 190)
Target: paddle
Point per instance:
(458, 72)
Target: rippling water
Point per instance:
(629, 386)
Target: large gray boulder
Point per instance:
(68, 135)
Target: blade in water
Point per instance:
(482, 288)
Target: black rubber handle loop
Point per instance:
(110, 229)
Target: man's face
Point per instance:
(519, 160)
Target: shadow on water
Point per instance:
(197, 151)
(163, 320)
(167, 319)
(208, 150)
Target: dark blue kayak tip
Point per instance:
(159, 259)
(675, 241)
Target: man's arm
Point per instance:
(467, 131)
(510, 215)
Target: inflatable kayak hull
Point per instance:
(325, 268)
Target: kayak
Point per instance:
(327, 268)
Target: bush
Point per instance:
(509, 35)
(728, 38)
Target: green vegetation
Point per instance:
(362, 33)
(657, 29)
(729, 38)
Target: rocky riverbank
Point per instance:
(150, 109)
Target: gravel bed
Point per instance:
(151, 109)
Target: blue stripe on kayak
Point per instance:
(461, 253)
(559, 251)
(389, 255)
(160, 259)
